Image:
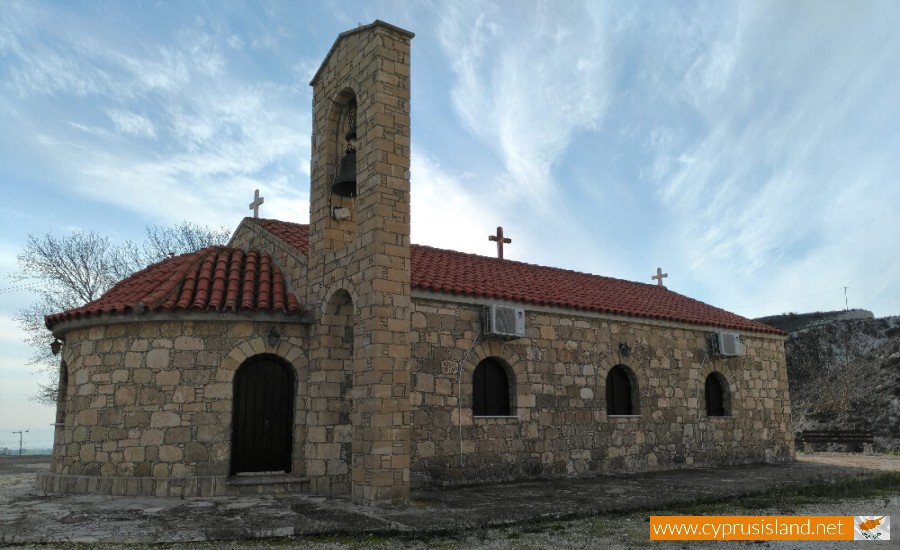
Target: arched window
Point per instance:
(621, 391)
(490, 389)
(717, 398)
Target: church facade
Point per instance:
(336, 358)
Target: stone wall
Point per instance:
(149, 404)
(559, 425)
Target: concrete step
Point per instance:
(268, 483)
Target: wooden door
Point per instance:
(263, 416)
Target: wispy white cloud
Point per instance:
(214, 137)
(764, 196)
(71, 61)
(709, 76)
(132, 124)
(527, 82)
(444, 213)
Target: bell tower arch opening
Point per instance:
(342, 172)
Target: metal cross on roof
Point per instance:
(500, 241)
(659, 276)
(257, 200)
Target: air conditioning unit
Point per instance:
(725, 344)
(504, 321)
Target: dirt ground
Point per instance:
(525, 515)
(12, 464)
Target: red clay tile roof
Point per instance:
(472, 275)
(227, 279)
(294, 234)
(217, 279)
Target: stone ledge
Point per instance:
(194, 486)
(132, 486)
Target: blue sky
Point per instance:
(750, 149)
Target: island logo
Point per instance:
(871, 527)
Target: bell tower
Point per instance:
(358, 418)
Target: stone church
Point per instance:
(336, 358)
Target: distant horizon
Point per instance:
(41, 438)
(824, 312)
(37, 451)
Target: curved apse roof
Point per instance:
(215, 279)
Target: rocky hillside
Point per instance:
(844, 373)
(794, 322)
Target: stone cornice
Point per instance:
(555, 310)
(179, 316)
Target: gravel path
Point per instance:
(615, 532)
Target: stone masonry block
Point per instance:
(158, 359)
(164, 419)
(188, 343)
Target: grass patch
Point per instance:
(344, 541)
(423, 503)
(881, 485)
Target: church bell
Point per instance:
(345, 182)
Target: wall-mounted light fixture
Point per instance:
(56, 346)
(624, 350)
(273, 337)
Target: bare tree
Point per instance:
(178, 239)
(72, 270)
(829, 370)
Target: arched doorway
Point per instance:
(262, 416)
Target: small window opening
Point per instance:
(620, 392)
(716, 390)
(490, 389)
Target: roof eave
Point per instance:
(64, 326)
(427, 293)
